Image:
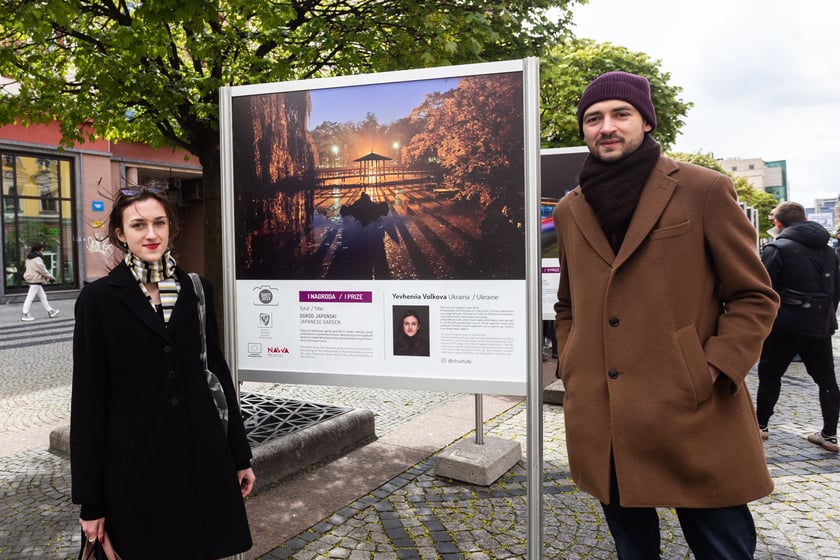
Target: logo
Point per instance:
(265, 320)
(254, 349)
(266, 295)
(276, 350)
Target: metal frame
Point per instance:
(534, 452)
(530, 69)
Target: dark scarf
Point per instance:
(613, 189)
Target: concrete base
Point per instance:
(286, 455)
(60, 440)
(478, 464)
(554, 393)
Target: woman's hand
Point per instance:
(246, 480)
(93, 529)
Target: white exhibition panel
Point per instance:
(309, 331)
(341, 331)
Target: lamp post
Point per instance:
(335, 155)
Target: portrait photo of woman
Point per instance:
(411, 334)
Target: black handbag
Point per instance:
(96, 550)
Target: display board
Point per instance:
(559, 174)
(378, 227)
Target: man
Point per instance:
(803, 269)
(662, 308)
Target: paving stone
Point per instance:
(415, 514)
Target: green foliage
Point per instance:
(567, 69)
(151, 71)
(762, 201)
(704, 160)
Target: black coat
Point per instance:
(147, 447)
(803, 269)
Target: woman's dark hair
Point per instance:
(410, 313)
(37, 247)
(127, 196)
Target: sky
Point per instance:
(764, 77)
(389, 102)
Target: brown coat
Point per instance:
(636, 331)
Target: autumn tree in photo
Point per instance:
(475, 134)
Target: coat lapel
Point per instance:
(185, 306)
(653, 201)
(588, 225)
(134, 299)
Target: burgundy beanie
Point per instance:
(631, 88)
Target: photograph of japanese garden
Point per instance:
(420, 180)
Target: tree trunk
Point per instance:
(212, 206)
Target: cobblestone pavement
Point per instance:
(415, 515)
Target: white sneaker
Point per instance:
(27, 317)
(829, 443)
(53, 312)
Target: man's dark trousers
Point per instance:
(727, 532)
(816, 353)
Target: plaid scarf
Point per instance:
(161, 272)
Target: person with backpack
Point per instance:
(804, 270)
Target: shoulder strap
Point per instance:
(202, 314)
(216, 390)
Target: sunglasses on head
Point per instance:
(134, 191)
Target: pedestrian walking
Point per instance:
(662, 307)
(157, 463)
(36, 275)
(804, 270)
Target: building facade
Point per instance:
(767, 176)
(62, 197)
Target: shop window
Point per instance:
(37, 206)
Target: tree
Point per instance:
(569, 67)
(151, 71)
(472, 131)
(763, 202)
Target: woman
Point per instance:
(410, 341)
(36, 275)
(150, 460)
